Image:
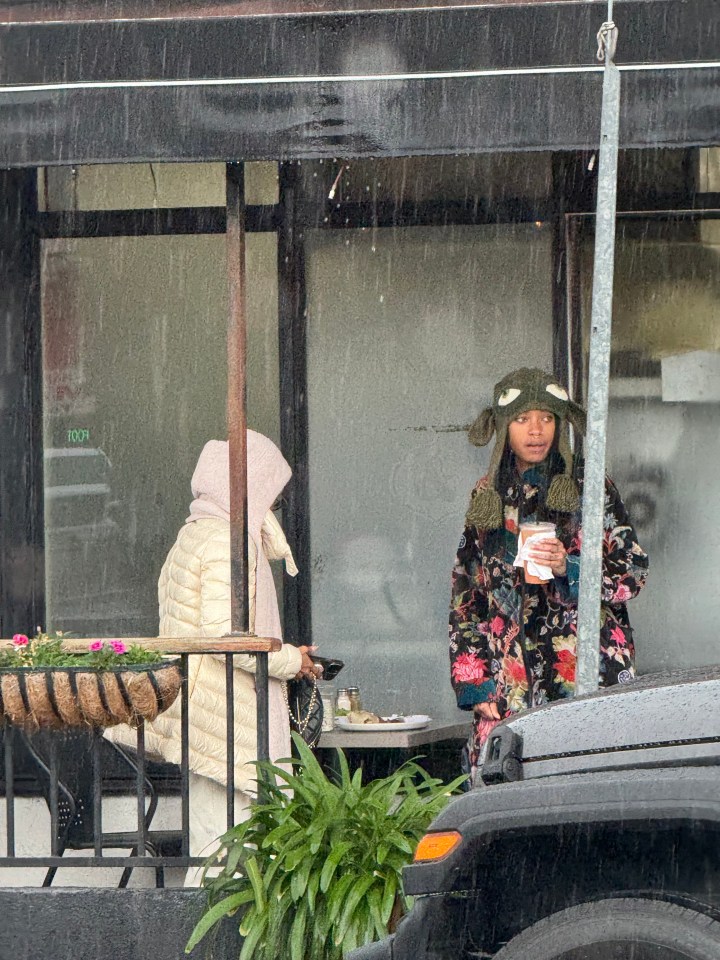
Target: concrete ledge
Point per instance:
(80, 923)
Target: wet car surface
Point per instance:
(594, 836)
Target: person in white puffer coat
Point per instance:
(194, 600)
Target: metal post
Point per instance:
(140, 791)
(263, 704)
(230, 739)
(97, 792)
(292, 337)
(237, 438)
(237, 398)
(55, 850)
(588, 649)
(184, 758)
(9, 737)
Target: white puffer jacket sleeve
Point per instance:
(215, 605)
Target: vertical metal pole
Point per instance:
(184, 758)
(55, 850)
(97, 793)
(588, 658)
(9, 737)
(22, 531)
(140, 788)
(292, 342)
(237, 398)
(230, 738)
(237, 435)
(261, 686)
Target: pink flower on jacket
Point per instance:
(118, 646)
(20, 640)
(618, 637)
(467, 668)
(497, 625)
(95, 645)
(622, 593)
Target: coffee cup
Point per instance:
(531, 567)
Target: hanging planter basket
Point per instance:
(55, 697)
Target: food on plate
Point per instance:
(361, 717)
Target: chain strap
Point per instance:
(301, 723)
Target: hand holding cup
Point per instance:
(550, 553)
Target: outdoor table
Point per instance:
(437, 748)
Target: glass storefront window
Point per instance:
(135, 381)
(408, 330)
(662, 429)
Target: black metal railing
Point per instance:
(76, 768)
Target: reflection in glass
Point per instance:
(134, 353)
(408, 331)
(663, 446)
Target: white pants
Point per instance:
(208, 820)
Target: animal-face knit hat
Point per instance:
(520, 391)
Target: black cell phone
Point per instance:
(331, 667)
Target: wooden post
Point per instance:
(237, 437)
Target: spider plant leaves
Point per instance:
(388, 898)
(332, 862)
(224, 908)
(318, 863)
(353, 912)
(253, 933)
(297, 936)
(253, 873)
(337, 895)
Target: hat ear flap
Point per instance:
(482, 429)
(576, 416)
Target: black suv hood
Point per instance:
(662, 719)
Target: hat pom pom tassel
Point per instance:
(563, 495)
(486, 510)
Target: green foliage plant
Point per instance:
(316, 869)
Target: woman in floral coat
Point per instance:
(502, 663)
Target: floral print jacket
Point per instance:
(488, 662)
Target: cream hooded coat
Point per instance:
(194, 600)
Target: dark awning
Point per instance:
(383, 83)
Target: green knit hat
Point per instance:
(522, 390)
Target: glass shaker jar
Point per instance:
(342, 701)
(328, 698)
(354, 695)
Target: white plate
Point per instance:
(416, 722)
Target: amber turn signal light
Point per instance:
(435, 846)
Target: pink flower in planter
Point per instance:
(95, 645)
(20, 640)
(118, 646)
